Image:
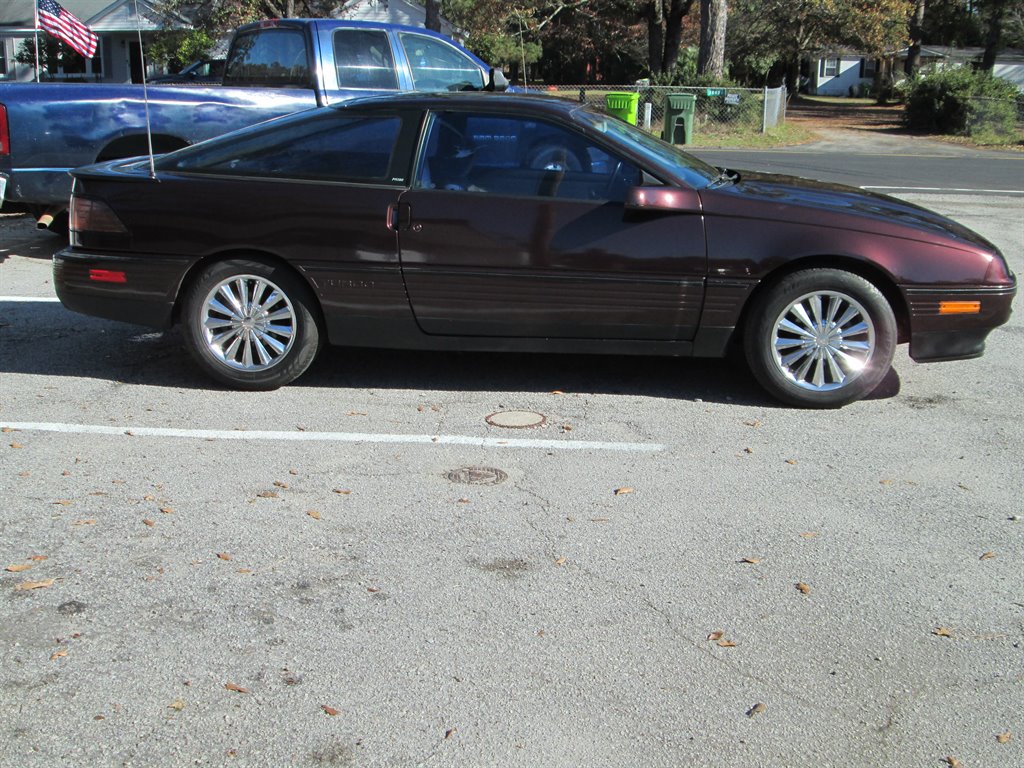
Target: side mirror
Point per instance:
(496, 80)
(664, 199)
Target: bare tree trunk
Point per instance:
(677, 11)
(655, 15)
(993, 35)
(914, 51)
(711, 59)
(433, 17)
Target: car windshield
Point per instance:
(696, 173)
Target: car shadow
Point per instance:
(77, 346)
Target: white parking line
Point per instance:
(338, 437)
(16, 299)
(951, 189)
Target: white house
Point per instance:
(841, 74)
(115, 22)
(393, 12)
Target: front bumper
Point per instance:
(936, 337)
(147, 296)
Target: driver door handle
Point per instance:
(399, 217)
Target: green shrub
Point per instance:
(960, 101)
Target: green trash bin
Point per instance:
(623, 105)
(679, 109)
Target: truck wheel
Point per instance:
(820, 338)
(250, 324)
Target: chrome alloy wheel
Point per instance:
(248, 323)
(823, 340)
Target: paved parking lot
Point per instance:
(671, 570)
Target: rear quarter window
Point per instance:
(328, 148)
(363, 60)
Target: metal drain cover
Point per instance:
(476, 475)
(516, 419)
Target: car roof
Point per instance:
(484, 100)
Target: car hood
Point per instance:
(790, 198)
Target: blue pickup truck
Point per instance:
(273, 68)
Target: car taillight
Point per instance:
(5, 132)
(94, 216)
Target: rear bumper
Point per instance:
(936, 337)
(147, 296)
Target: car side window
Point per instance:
(439, 66)
(511, 155)
(274, 57)
(331, 148)
(363, 59)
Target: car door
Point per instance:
(516, 227)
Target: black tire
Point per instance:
(261, 342)
(820, 338)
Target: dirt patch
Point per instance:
(851, 116)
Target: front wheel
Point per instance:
(250, 324)
(820, 338)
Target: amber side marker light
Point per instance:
(107, 276)
(959, 307)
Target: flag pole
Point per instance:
(35, 31)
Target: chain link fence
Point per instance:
(718, 110)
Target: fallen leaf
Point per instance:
(88, 521)
(6, 430)
(65, 473)
(373, 589)
(1004, 738)
(17, 445)
(463, 501)
(18, 568)
(886, 482)
(177, 705)
(724, 643)
(809, 535)
(751, 560)
(63, 502)
(223, 555)
(748, 450)
(420, 408)
(236, 688)
(355, 413)
(791, 462)
(451, 731)
(567, 427)
(26, 585)
(148, 522)
(987, 556)
(952, 762)
(266, 495)
(942, 632)
(803, 588)
(167, 510)
(59, 654)
(752, 423)
(293, 471)
(149, 497)
(279, 484)
(622, 491)
(99, 717)
(757, 709)
(244, 570)
(342, 491)
(314, 514)
(718, 635)
(330, 710)
(560, 561)
(38, 557)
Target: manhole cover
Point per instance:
(476, 475)
(516, 419)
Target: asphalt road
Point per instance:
(290, 578)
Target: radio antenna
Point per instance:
(145, 92)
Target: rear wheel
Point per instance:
(820, 338)
(250, 324)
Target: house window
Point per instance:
(830, 67)
(868, 68)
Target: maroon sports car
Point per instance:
(511, 222)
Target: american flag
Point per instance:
(64, 26)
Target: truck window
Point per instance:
(272, 57)
(327, 147)
(363, 58)
(439, 66)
